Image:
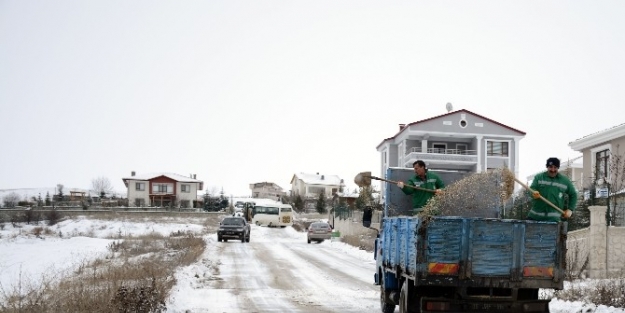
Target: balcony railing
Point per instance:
(443, 155)
(162, 193)
(444, 151)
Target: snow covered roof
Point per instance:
(348, 194)
(318, 179)
(148, 176)
(599, 137)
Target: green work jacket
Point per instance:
(420, 197)
(556, 190)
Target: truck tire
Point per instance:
(386, 307)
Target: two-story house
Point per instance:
(267, 190)
(311, 185)
(162, 189)
(460, 141)
(604, 164)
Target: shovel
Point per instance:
(364, 179)
(508, 174)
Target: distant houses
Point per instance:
(267, 190)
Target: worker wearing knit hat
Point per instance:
(555, 188)
(553, 161)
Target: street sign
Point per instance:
(602, 193)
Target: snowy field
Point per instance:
(26, 257)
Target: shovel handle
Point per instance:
(541, 197)
(394, 182)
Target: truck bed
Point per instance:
(475, 252)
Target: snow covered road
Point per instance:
(277, 272)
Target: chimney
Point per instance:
(132, 173)
(401, 126)
(194, 176)
(317, 173)
(321, 177)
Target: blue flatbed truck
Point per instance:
(465, 264)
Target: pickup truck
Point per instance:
(465, 264)
(234, 227)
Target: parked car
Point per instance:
(319, 231)
(234, 227)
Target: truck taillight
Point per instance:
(437, 306)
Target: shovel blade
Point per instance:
(363, 179)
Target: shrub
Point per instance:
(53, 217)
(139, 299)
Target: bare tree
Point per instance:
(101, 185)
(11, 200)
(212, 191)
(616, 185)
(59, 189)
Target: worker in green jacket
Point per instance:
(554, 187)
(422, 179)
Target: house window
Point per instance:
(185, 203)
(334, 191)
(140, 186)
(139, 202)
(602, 164)
(163, 188)
(316, 190)
(185, 188)
(497, 148)
(462, 148)
(439, 147)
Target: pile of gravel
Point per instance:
(477, 195)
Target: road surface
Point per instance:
(277, 271)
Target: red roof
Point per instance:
(443, 115)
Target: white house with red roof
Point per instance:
(460, 141)
(162, 189)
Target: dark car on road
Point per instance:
(319, 231)
(233, 227)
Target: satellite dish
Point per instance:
(449, 107)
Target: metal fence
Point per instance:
(343, 213)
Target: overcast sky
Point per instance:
(240, 92)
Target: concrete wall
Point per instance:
(577, 250)
(604, 246)
(352, 226)
(616, 251)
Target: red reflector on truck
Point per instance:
(443, 268)
(538, 271)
